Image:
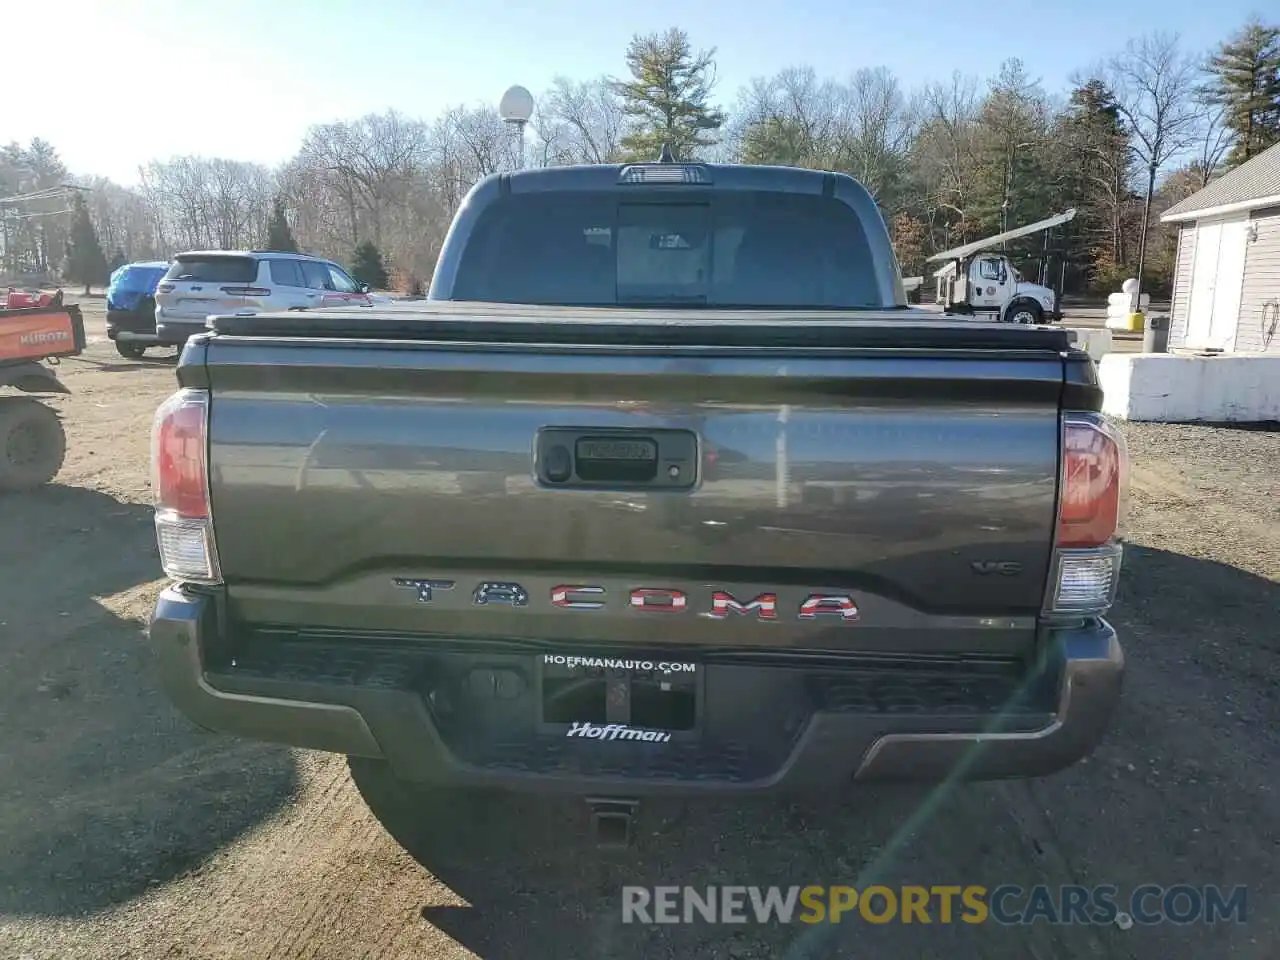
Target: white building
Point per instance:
(1226, 281)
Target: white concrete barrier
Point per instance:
(1122, 306)
(1094, 341)
(1167, 388)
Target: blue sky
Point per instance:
(245, 79)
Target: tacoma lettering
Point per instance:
(666, 600)
(568, 597)
(722, 604)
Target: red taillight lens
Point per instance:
(1095, 467)
(179, 439)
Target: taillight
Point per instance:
(1095, 474)
(247, 291)
(166, 288)
(180, 487)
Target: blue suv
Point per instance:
(131, 306)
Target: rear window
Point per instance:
(214, 269)
(746, 249)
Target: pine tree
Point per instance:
(1095, 171)
(1009, 151)
(279, 236)
(1246, 81)
(86, 262)
(368, 267)
(668, 96)
(118, 260)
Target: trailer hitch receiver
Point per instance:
(613, 821)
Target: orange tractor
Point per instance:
(32, 441)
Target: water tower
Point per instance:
(515, 108)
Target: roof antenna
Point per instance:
(666, 156)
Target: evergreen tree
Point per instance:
(86, 262)
(1246, 81)
(118, 260)
(1009, 150)
(778, 140)
(279, 236)
(668, 96)
(1096, 168)
(367, 266)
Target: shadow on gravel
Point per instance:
(536, 887)
(104, 789)
(1261, 426)
(125, 366)
(1199, 601)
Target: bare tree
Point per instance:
(877, 127)
(470, 143)
(792, 118)
(364, 165)
(122, 219)
(945, 152)
(1212, 139)
(580, 121)
(1154, 83)
(196, 202)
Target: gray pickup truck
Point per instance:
(662, 489)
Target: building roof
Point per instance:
(1255, 183)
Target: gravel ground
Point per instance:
(127, 833)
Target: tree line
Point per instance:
(955, 160)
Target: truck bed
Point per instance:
(908, 464)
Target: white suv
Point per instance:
(206, 282)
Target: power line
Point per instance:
(46, 193)
(32, 216)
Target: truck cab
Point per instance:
(990, 283)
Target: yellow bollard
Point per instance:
(1137, 323)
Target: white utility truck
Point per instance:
(976, 278)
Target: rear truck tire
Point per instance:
(1025, 312)
(32, 444)
(131, 351)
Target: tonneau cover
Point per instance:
(492, 323)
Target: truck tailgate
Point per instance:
(875, 499)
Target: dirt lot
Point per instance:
(127, 833)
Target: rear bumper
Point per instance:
(176, 332)
(133, 326)
(830, 726)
